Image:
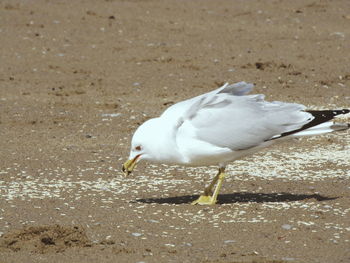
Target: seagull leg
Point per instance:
(209, 189)
(218, 187)
(208, 197)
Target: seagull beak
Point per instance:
(129, 165)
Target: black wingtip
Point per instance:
(327, 114)
(321, 116)
(344, 111)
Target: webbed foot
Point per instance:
(204, 200)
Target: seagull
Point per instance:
(221, 126)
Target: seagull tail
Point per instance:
(321, 123)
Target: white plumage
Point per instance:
(220, 126)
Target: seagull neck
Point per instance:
(165, 145)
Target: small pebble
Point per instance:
(286, 226)
(110, 114)
(288, 259)
(169, 245)
(153, 221)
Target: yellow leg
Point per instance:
(208, 189)
(209, 198)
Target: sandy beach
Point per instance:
(78, 77)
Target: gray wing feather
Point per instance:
(189, 106)
(246, 121)
(227, 117)
(237, 89)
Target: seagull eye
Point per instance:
(138, 148)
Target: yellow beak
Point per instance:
(129, 165)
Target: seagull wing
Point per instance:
(182, 108)
(240, 122)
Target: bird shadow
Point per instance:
(239, 198)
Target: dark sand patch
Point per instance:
(44, 239)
